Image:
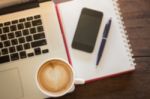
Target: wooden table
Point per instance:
(134, 85)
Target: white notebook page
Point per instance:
(115, 59)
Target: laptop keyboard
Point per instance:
(22, 38)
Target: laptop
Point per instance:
(29, 35)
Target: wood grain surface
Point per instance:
(135, 85)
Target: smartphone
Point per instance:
(87, 30)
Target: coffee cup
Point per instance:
(56, 77)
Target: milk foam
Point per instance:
(55, 77)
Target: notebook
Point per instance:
(117, 56)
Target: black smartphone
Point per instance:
(87, 30)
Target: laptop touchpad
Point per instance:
(10, 84)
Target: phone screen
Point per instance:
(87, 30)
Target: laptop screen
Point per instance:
(6, 3)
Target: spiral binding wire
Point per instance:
(124, 32)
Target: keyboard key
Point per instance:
(7, 43)
(30, 54)
(14, 41)
(29, 18)
(12, 49)
(11, 35)
(18, 33)
(4, 51)
(22, 20)
(37, 22)
(21, 40)
(45, 51)
(27, 46)
(23, 54)
(40, 29)
(14, 22)
(5, 29)
(1, 24)
(25, 32)
(33, 30)
(29, 38)
(19, 48)
(20, 26)
(1, 45)
(27, 24)
(14, 56)
(0, 31)
(37, 51)
(38, 43)
(37, 17)
(3, 37)
(4, 59)
(38, 36)
(7, 23)
(13, 28)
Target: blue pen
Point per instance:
(105, 35)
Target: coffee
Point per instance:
(55, 77)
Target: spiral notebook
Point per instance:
(117, 56)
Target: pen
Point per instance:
(104, 38)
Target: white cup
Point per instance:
(71, 88)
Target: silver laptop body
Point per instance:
(40, 40)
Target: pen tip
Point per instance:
(97, 63)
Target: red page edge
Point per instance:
(109, 76)
(68, 54)
(63, 34)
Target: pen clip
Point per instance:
(107, 28)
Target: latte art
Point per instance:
(55, 77)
